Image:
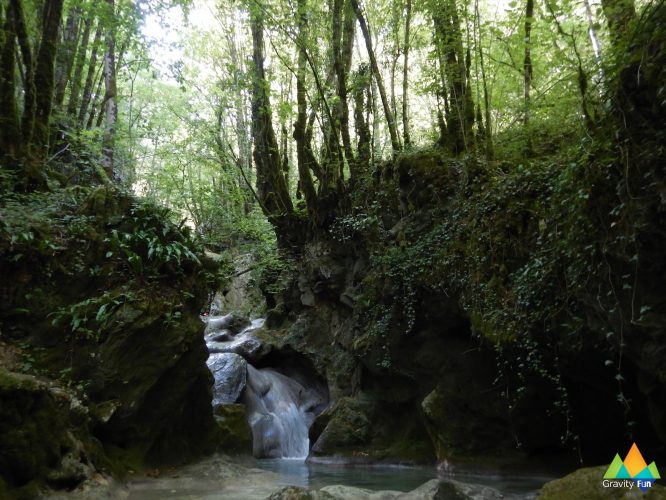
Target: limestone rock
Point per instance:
(230, 373)
(235, 434)
(298, 493)
(39, 425)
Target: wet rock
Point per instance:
(436, 489)
(298, 493)
(230, 373)
(341, 492)
(235, 433)
(279, 412)
(223, 336)
(348, 427)
(245, 344)
(231, 322)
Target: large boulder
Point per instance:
(230, 373)
(44, 433)
(104, 297)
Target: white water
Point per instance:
(277, 410)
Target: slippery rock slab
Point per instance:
(298, 493)
(230, 373)
(448, 488)
(340, 492)
(232, 322)
(245, 344)
(434, 489)
(216, 324)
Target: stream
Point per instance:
(221, 478)
(279, 411)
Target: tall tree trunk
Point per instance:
(342, 47)
(304, 156)
(459, 108)
(395, 143)
(75, 88)
(242, 139)
(620, 15)
(592, 32)
(110, 104)
(361, 95)
(29, 78)
(90, 77)
(95, 109)
(65, 58)
(527, 63)
(405, 76)
(45, 77)
(271, 184)
(10, 131)
(488, 129)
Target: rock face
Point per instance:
(236, 435)
(281, 399)
(44, 432)
(103, 311)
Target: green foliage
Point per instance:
(90, 317)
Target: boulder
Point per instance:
(235, 433)
(298, 493)
(230, 373)
(41, 434)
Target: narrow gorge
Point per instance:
(271, 249)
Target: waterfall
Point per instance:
(279, 409)
(278, 413)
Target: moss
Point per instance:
(587, 484)
(32, 429)
(110, 292)
(235, 434)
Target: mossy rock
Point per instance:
(588, 484)
(38, 429)
(96, 296)
(235, 433)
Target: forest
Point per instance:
(428, 233)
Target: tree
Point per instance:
(395, 142)
(110, 105)
(527, 64)
(405, 75)
(271, 184)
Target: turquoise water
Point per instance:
(299, 473)
(397, 478)
(223, 478)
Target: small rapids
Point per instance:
(279, 409)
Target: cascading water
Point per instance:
(277, 413)
(279, 409)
